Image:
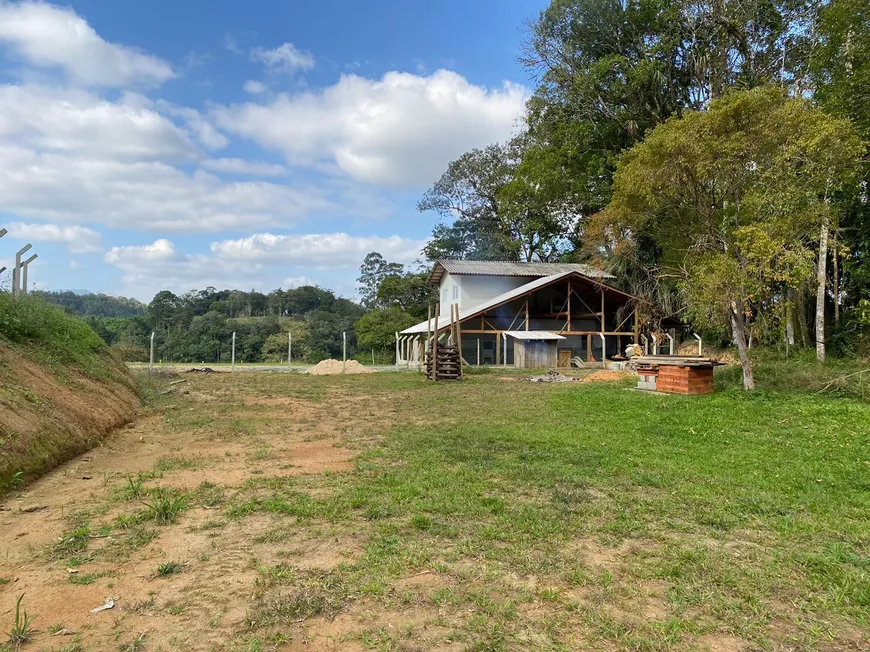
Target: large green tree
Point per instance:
(733, 197)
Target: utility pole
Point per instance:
(16, 271)
(24, 272)
(289, 347)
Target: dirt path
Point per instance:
(87, 532)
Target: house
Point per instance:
(569, 309)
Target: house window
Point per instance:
(444, 295)
(455, 291)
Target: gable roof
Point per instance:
(510, 268)
(510, 295)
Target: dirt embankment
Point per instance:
(50, 413)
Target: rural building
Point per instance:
(568, 310)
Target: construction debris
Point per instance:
(108, 604)
(201, 370)
(551, 377)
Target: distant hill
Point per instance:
(86, 304)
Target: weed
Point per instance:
(169, 568)
(177, 609)
(22, 626)
(165, 506)
(73, 541)
(132, 488)
(88, 578)
(136, 645)
(4, 580)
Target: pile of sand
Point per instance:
(605, 377)
(332, 367)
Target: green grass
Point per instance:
(165, 505)
(22, 626)
(752, 509)
(169, 568)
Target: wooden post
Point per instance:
(527, 313)
(459, 343)
(602, 310)
(570, 289)
(636, 326)
(588, 348)
(478, 351)
(435, 344)
(497, 348)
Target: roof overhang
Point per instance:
(517, 293)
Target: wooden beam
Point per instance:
(497, 349)
(602, 310)
(568, 324)
(527, 314)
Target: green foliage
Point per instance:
(169, 568)
(92, 305)
(165, 506)
(52, 336)
(22, 626)
(732, 197)
(377, 329)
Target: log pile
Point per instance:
(446, 363)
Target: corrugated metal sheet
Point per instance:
(534, 335)
(508, 268)
(486, 305)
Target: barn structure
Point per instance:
(511, 313)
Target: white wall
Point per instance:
(477, 289)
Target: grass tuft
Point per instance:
(22, 626)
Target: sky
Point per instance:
(176, 145)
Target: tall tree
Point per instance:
(500, 200)
(372, 272)
(732, 196)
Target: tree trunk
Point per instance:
(821, 278)
(739, 334)
(836, 260)
(789, 317)
(801, 313)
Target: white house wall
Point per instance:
(474, 290)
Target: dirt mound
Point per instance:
(50, 413)
(605, 377)
(332, 367)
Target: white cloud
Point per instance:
(322, 250)
(146, 196)
(82, 124)
(202, 129)
(47, 36)
(242, 166)
(255, 87)
(401, 130)
(285, 58)
(78, 239)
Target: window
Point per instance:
(455, 291)
(444, 295)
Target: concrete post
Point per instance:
(233, 359)
(289, 347)
(344, 351)
(16, 271)
(24, 266)
(670, 341)
(151, 357)
(700, 349)
(398, 355)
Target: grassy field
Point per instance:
(492, 514)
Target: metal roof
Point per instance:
(534, 335)
(510, 268)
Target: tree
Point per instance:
(377, 329)
(371, 273)
(732, 197)
(500, 203)
(411, 293)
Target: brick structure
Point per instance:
(684, 380)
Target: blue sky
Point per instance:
(174, 145)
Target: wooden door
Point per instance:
(564, 357)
